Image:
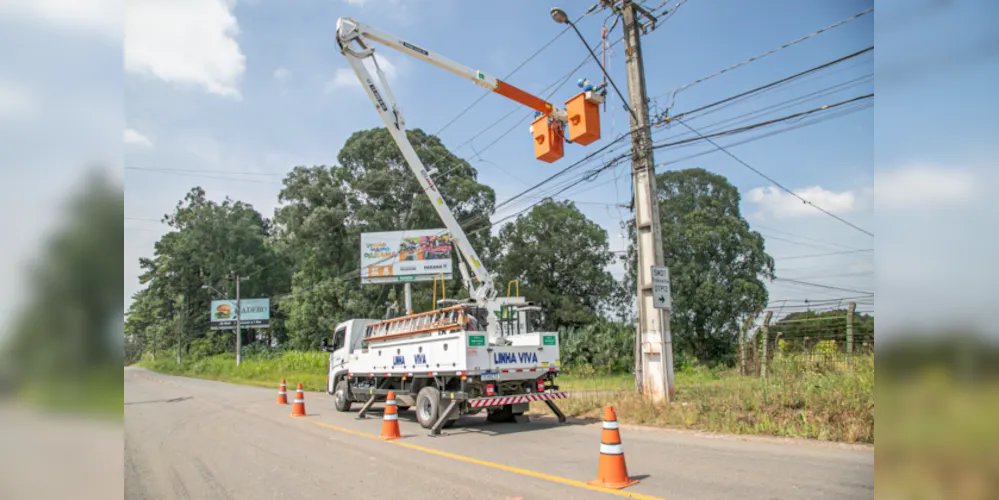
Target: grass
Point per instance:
(309, 368)
(830, 404)
(97, 394)
(825, 403)
(943, 437)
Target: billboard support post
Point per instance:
(408, 287)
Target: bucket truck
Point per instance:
(462, 357)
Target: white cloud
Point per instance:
(355, 2)
(345, 77)
(281, 74)
(133, 137)
(778, 203)
(185, 42)
(923, 186)
(100, 16)
(16, 101)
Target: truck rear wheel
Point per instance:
(341, 400)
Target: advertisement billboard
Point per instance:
(399, 256)
(256, 313)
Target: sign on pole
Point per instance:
(256, 313)
(401, 256)
(661, 298)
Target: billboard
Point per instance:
(399, 256)
(256, 313)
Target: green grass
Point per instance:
(309, 368)
(829, 404)
(97, 394)
(816, 402)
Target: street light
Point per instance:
(559, 16)
(209, 287)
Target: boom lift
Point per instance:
(496, 361)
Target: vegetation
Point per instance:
(717, 264)
(63, 350)
(831, 406)
(305, 259)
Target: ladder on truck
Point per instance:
(447, 319)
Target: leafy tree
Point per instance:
(717, 264)
(560, 259)
(65, 338)
(211, 242)
(326, 208)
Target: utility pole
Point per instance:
(654, 349)
(180, 329)
(239, 314)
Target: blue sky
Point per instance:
(297, 102)
(249, 89)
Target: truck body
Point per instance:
(445, 363)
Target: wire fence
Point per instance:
(807, 341)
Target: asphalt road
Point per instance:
(190, 438)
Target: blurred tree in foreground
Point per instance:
(66, 345)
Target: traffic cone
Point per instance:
(298, 409)
(390, 422)
(282, 394)
(611, 470)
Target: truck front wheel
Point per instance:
(341, 399)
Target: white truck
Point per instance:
(463, 357)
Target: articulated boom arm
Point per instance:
(349, 31)
(581, 114)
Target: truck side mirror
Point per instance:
(324, 346)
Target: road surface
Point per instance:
(199, 439)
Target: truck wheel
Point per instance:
(428, 407)
(341, 399)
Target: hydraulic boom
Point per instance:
(353, 37)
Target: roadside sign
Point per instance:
(661, 298)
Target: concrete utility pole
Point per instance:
(180, 328)
(239, 314)
(654, 356)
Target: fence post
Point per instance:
(742, 344)
(849, 334)
(765, 337)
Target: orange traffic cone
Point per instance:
(611, 470)
(282, 394)
(298, 409)
(390, 422)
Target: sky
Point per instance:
(231, 95)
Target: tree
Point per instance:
(717, 264)
(211, 242)
(326, 208)
(66, 339)
(559, 258)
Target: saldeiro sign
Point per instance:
(256, 313)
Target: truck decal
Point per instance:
(515, 357)
(398, 360)
(420, 359)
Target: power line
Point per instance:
(774, 182)
(820, 285)
(760, 56)
(816, 255)
(664, 117)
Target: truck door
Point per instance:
(340, 352)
